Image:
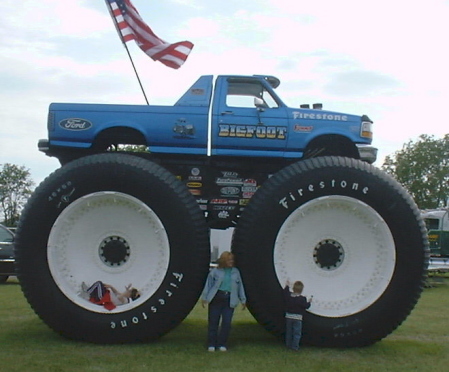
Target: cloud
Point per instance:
(51, 19)
(361, 83)
(385, 59)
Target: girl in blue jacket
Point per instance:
(223, 292)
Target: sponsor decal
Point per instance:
(195, 172)
(223, 215)
(197, 91)
(243, 202)
(302, 128)
(250, 182)
(223, 208)
(229, 181)
(194, 184)
(196, 192)
(219, 201)
(233, 201)
(229, 190)
(286, 201)
(229, 174)
(201, 201)
(247, 195)
(183, 129)
(75, 124)
(319, 116)
(432, 237)
(252, 189)
(195, 178)
(252, 131)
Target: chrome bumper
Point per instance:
(367, 153)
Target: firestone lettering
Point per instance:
(252, 131)
(59, 190)
(333, 184)
(136, 319)
(321, 116)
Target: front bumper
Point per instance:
(367, 153)
(43, 145)
(7, 266)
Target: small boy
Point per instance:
(295, 307)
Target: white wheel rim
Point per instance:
(341, 249)
(111, 237)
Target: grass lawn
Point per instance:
(27, 344)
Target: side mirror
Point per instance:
(259, 103)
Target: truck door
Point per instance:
(247, 119)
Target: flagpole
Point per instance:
(135, 71)
(127, 50)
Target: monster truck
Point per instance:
(296, 184)
(437, 223)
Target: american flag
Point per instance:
(131, 26)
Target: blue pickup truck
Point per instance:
(297, 186)
(232, 116)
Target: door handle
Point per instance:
(227, 113)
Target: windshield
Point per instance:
(432, 223)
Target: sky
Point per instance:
(387, 59)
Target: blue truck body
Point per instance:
(213, 118)
(224, 137)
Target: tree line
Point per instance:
(421, 166)
(15, 189)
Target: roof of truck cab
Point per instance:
(434, 213)
(272, 80)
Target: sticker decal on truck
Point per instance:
(252, 131)
(75, 124)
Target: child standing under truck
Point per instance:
(295, 307)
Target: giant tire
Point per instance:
(119, 219)
(350, 233)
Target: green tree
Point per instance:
(15, 189)
(422, 167)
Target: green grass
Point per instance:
(420, 344)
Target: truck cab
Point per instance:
(437, 223)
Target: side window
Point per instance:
(242, 94)
(5, 236)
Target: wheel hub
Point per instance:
(114, 251)
(328, 254)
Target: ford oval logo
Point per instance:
(75, 124)
(230, 190)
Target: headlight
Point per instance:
(366, 129)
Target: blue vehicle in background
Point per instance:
(297, 186)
